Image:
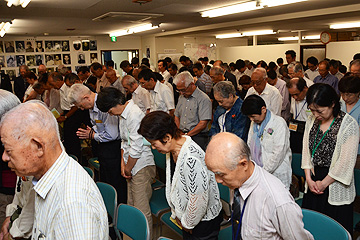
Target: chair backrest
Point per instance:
(357, 181)
(74, 157)
(132, 222)
(323, 227)
(109, 196)
(90, 172)
(296, 165)
(159, 158)
(224, 192)
(164, 238)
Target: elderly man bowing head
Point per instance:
(267, 208)
(68, 204)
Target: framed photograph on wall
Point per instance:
(20, 60)
(39, 59)
(85, 45)
(20, 46)
(30, 60)
(49, 60)
(2, 61)
(49, 46)
(93, 45)
(93, 57)
(57, 59)
(57, 46)
(39, 46)
(66, 59)
(65, 46)
(29, 46)
(2, 47)
(11, 73)
(9, 47)
(77, 45)
(10, 61)
(81, 58)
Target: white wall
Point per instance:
(343, 51)
(267, 53)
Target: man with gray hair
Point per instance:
(355, 67)
(270, 94)
(193, 111)
(140, 95)
(297, 71)
(105, 137)
(114, 80)
(266, 205)
(68, 204)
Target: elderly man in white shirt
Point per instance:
(269, 211)
(140, 95)
(137, 160)
(270, 94)
(68, 204)
(268, 139)
(161, 97)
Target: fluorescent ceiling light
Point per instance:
(243, 34)
(310, 37)
(260, 32)
(274, 3)
(136, 29)
(23, 3)
(4, 27)
(245, 7)
(230, 35)
(345, 25)
(237, 8)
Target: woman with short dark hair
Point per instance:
(192, 191)
(330, 143)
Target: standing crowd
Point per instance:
(237, 124)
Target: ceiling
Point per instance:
(177, 17)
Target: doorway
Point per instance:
(118, 56)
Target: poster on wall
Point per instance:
(39, 59)
(49, 60)
(66, 59)
(39, 46)
(85, 45)
(11, 73)
(148, 52)
(93, 45)
(9, 46)
(29, 46)
(10, 61)
(57, 46)
(77, 45)
(20, 60)
(57, 59)
(20, 46)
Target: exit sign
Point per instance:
(113, 39)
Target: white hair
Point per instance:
(129, 80)
(184, 77)
(32, 115)
(262, 71)
(77, 91)
(7, 101)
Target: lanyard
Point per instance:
(317, 145)
(240, 221)
(297, 114)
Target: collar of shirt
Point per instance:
(157, 87)
(267, 90)
(250, 184)
(137, 90)
(196, 93)
(126, 111)
(102, 78)
(95, 108)
(43, 185)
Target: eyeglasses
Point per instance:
(257, 83)
(142, 83)
(183, 90)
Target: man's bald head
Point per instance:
(229, 148)
(111, 75)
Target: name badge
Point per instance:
(293, 126)
(98, 121)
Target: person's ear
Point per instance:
(167, 138)
(38, 146)
(263, 109)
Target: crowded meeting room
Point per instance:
(180, 119)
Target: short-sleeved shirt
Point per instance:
(328, 79)
(161, 98)
(141, 97)
(192, 110)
